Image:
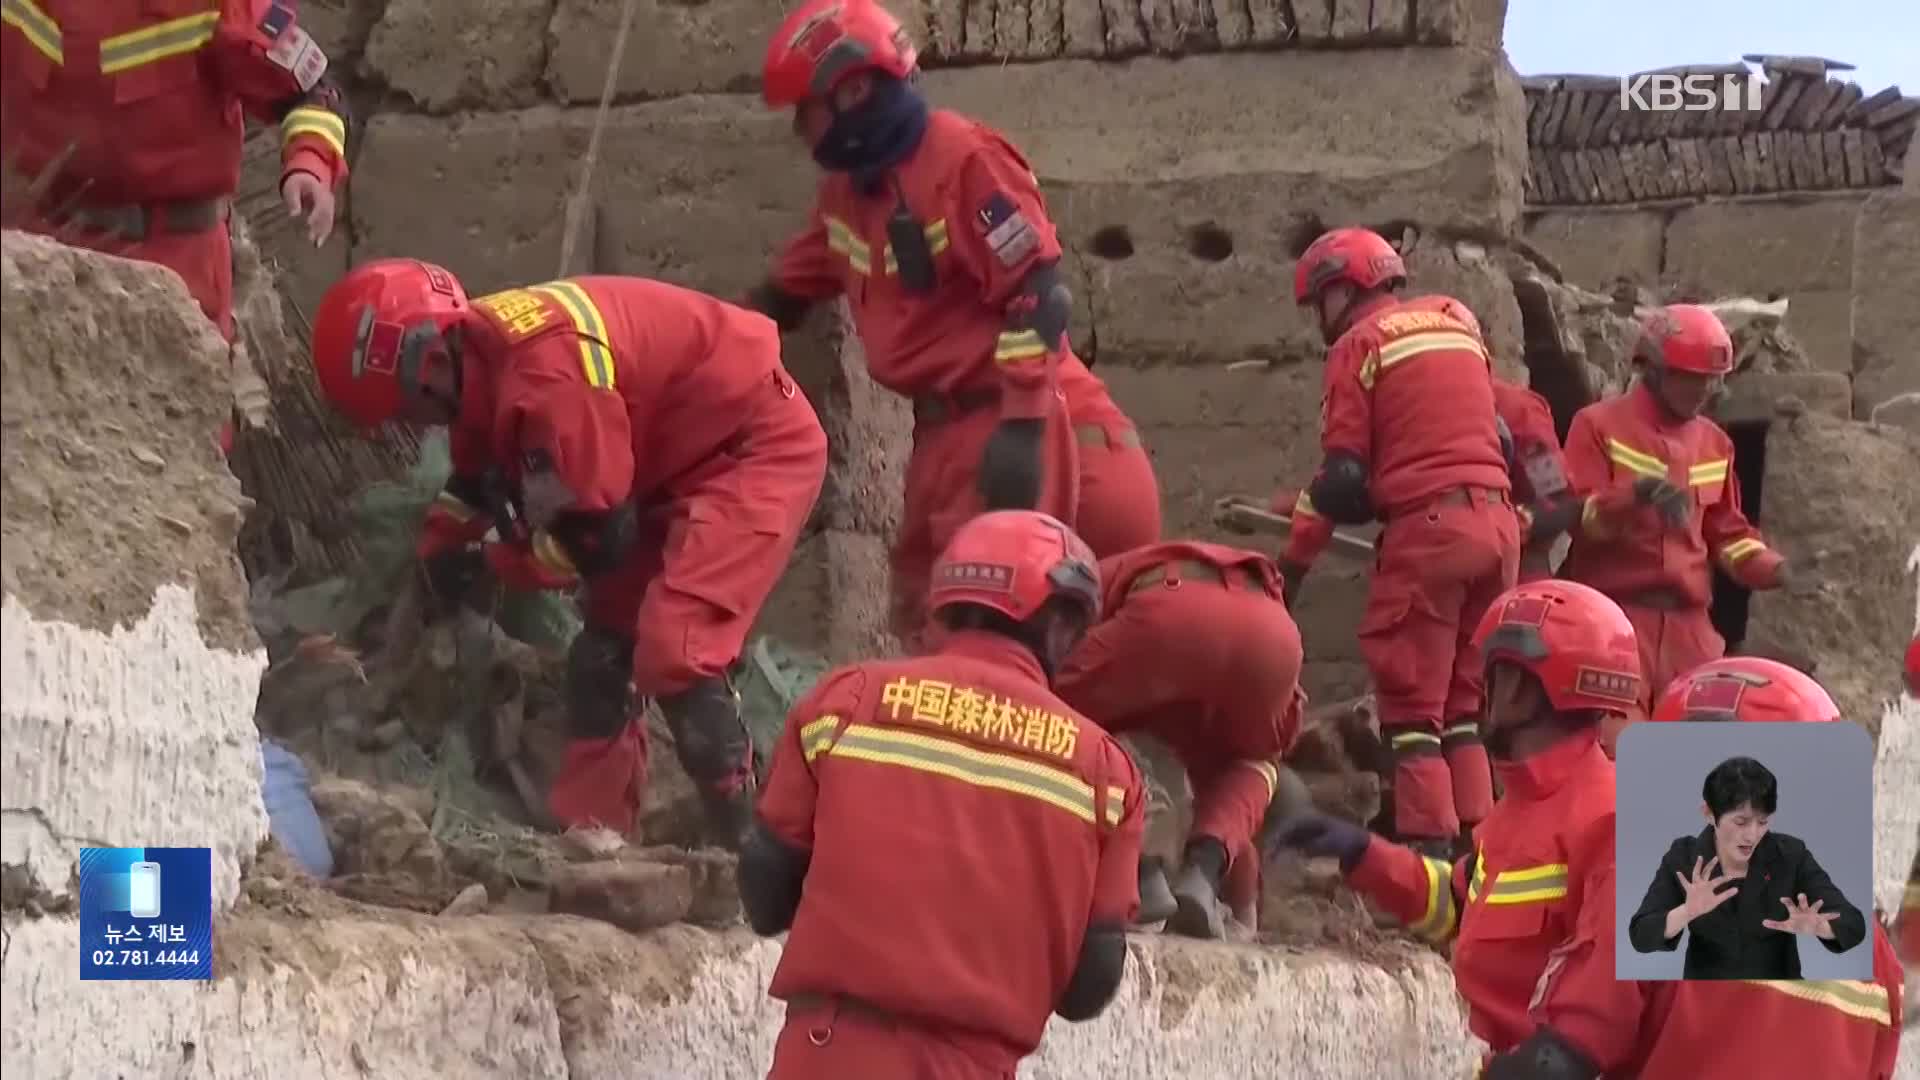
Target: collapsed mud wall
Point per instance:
(1789, 200)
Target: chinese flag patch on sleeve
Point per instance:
(1008, 232)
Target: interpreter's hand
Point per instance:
(1664, 497)
(1225, 518)
(1700, 888)
(1804, 918)
(306, 196)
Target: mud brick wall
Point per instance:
(1763, 203)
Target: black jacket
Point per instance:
(1729, 942)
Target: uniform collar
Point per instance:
(1544, 773)
(1649, 408)
(1369, 308)
(997, 649)
(477, 376)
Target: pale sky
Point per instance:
(1617, 37)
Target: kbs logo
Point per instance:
(1674, 92)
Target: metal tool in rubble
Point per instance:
(1243, 514)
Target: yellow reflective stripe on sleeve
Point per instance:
(1015, 346)
(957, 761)
(1635, 461)
(1116, 804)
(596, 359)
(1269, 775)
(1406, 348)
(1707, 473)
(320, 123)
(1407, 739)
(1863, 1000)
(937, 242)
(841, 238)
(1437, 921)
(1528, 885)
(454, 507)
(551, 556)
(124, 52)
(35, 25)
(1741, 550)
(817, 736)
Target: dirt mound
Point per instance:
(115, 388)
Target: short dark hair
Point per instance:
(1737, 782)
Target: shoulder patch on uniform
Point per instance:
(1008, 232)
(989, 577)
(302, 57)
(521, 313)
(275, 21)
(1544, 473)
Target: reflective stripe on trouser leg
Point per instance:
(1467, 764)
(1422, 787)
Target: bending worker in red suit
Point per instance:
(934, 229)
(1543, 498)
(953, 847)
(1411, 438)
(1711, 1029)
(624, 434)
(1195, 648)
(1559, 657)
(1661, 498)
(134, 112)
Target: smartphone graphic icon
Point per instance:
(143, 890)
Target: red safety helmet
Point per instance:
(1745, 688)
(1360, 257)
(1575, 640)
(1014, 561)
(372, 333)
(1685, 337)
(824, 41)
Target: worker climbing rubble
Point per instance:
(1661, 500)
(935, 231)
(953, 847)
(1593, 1025)
(1410, 437)
(128, 119)
(1559, 656)
(627, 434)
(1195, 648)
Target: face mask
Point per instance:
(876, 134)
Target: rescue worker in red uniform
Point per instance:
(1559, 657)
(1711, 1029)
(1410, 437)
(1543, 499)
(1661, 499)
(627, 435)
(135, 113)
(953, 847)
(1195, 648)
(934, 229)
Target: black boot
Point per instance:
(1156, 898)
(1197, 892)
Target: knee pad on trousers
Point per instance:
(599, 684)
(708, 732)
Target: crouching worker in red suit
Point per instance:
(953, 847)
(934, 229)
(1661, 500)
(626, 435)
(1195, 648)
(1410, 438)
(1712, 1029)
(1559, 657)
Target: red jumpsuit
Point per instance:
(950, 349)
(965, 828)
(1195, 648)
(1659, 576)
(150, 96)
(623, 391)
(1541, 876)
(1540, 468)
(1410, 392)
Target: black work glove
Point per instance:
(1545, 1055)
(452, 577)
(1010, 469)
(1291, 576)
(1664, 497)
(785, 309)
(1315, 833)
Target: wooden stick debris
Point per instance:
(1240, 514)
(583, 193)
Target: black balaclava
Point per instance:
(876, 134)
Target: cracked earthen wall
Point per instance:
(1200, 141)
